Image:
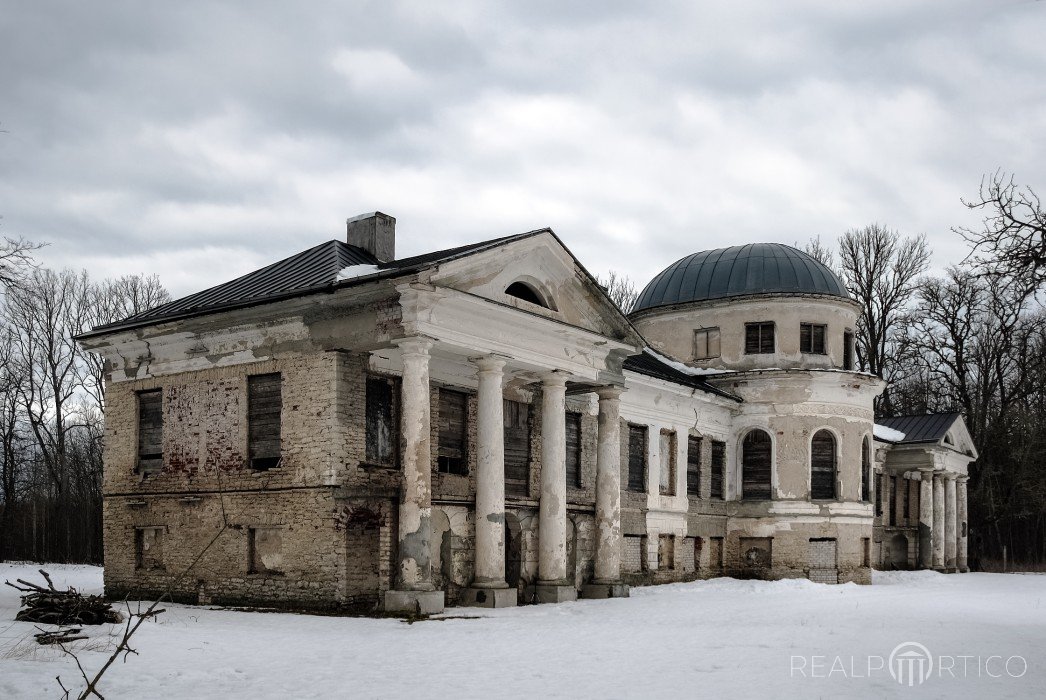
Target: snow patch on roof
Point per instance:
(354, 271)
(686, 369)
(881, 432)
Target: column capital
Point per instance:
(949, 476)
(489, 363)
(927, 473)
(555, 378)
(610, 392)
(962, 478)
(415, 345)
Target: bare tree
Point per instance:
(16, 259)
(49, 308)
(621, 290)
(820, 252)
(1012, 240)
(881, 271)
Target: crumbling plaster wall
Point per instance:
(671, 329)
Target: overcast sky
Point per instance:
(200, 140)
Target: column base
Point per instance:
(964, 569)
(604, 590)
(415, 602)
(489, 597)
(554, 593)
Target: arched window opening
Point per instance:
(822, 466)
(756, 459)
(866, 471)
(522, 290)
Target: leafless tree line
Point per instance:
(52, 404)
(971, 340)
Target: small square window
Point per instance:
(759, 338)
(453, 435)
(811, 338)
(706, 343)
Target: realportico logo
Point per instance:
(910, 664)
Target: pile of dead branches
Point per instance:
(54, 607)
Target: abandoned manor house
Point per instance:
(484, 426)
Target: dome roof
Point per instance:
(756, 268)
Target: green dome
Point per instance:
(756, 268)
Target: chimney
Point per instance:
(374, 233)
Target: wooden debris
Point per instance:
(54, 607)
(60, 636)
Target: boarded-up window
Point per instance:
(715, 553)
(866, 472)
(693, 466)
(382, 421)
(265, 550)
(811, 338)
(706, 343)
(718, 469)
(848, 350)
(150, 431)
(667, 455)
(517, 448)
(756, 553)
(148, 548)
(264, 402)
(574, 449)
(453, 412)
(666, 552)
(822, 466)
(759, 338)
(637, 457)
(756, 459)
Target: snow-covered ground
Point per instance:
(718, 638)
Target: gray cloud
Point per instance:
(198, 140)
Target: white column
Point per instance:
(490, 476)
(900, 493)
(926, 519)
(489, 588)
(553, 584)
(950, 532)
(887, 498)
(961, 560)
(938, 520)
(414, 591)
(608, 487)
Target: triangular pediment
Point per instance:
(538, 275)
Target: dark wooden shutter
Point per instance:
(866, 472)
(453, 411)
(574, 449)
(822, 466)
(766, 338)
(756, 459)
(150, 431)
(848, 350)
(718, 469)
(517, 448)
(637, 437)
(264, 402)
(805, 341)
(382, 434)
(693, 466)
(817, 339)
(751, 338)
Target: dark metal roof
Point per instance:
(756, 268)
(928, 428)
(310, 271)
(650, 365)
